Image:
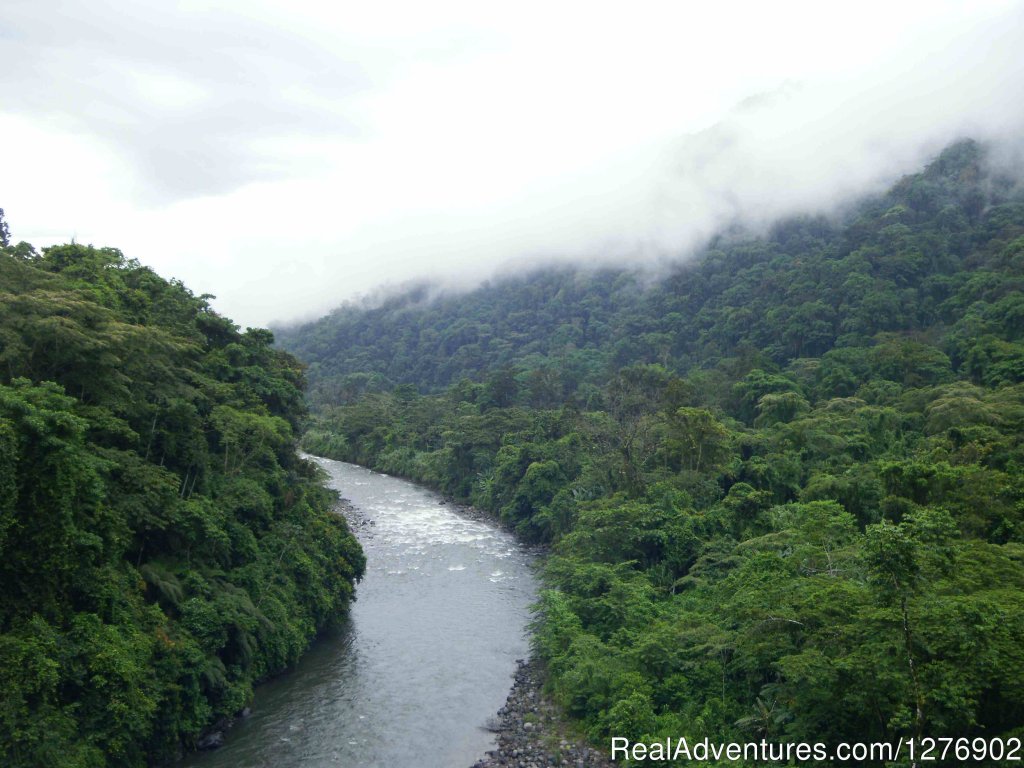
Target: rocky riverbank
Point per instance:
(531, 732)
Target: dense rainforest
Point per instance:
(162, 545)
(783, 485)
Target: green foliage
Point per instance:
(783, 487)
(162, 547)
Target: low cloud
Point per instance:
(288, 158)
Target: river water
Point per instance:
(426, 657)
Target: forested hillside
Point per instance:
(162, 547)
(783, 486)
(892, 265)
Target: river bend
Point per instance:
(426, 657)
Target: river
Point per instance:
(425, 658)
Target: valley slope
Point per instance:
(782, 485)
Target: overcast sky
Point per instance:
(287, 156)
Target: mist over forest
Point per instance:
(381, 145)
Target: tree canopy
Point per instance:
(162, 546)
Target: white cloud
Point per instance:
(288, 156)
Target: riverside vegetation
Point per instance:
(162, 547)
(783, 485)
